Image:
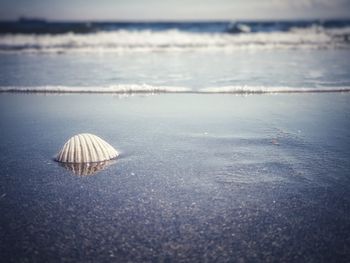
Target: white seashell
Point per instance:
(86, 148)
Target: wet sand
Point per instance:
(217, 178)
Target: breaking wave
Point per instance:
(30, 35)
(126, 41)
(314, 37)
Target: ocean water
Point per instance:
(241, 71)
(234, 141)
(41, 36)
(232, 57)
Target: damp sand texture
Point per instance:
(250, 178)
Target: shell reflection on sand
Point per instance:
(86, 169)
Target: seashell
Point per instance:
(86, 148)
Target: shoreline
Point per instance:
(169, 90)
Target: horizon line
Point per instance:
(40, 19)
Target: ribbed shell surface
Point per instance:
(86, 148)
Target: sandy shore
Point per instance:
(200, 178)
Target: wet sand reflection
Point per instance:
(86, 169)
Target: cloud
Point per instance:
(305, 3)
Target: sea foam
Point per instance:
(176, 40)
(266, 89)
(118, 89)
(151, 89)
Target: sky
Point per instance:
(169, 10)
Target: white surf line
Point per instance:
(270, 90)
(149, 89)
(117, 89)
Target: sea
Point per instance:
(232, 57)
(234, 141)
